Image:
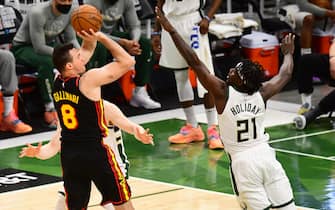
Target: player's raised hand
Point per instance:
(30, 150)
(163, 21)
(287, 44)
(90, 35)
(144, 135)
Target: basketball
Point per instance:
(85, 17)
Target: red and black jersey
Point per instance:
(81, 119)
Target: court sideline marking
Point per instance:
(331, 158)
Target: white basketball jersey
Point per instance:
(182, 7)
(241, 122)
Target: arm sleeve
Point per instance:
(306, 6)
(131, 20)
(37, 34)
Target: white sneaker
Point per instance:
(300, 122)
(142, 99)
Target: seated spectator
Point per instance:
(113, 13)
(306, 16)
(320, 65)
(323, 66)
(44, 26)
(327, 104)
(8, 81)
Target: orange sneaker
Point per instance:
(187, 134)
(214, 141)
(51, 118)
(13, 124)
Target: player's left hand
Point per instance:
(287, 44)
(30, 150)
(163, 21)
(204, 24)
(144, 135)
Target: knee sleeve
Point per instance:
(184, 88)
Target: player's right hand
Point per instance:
(30, 150)
(144, 135)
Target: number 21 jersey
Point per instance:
(242, 121)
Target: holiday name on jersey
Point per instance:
(238, 108)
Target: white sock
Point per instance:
(138, 88)
(109, 207)
(8, 104)
(190, 116)
(60, 203)
(305, 51)
(49, 106)
(306, 98)
(211, 116)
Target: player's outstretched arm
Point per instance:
(212, 83)
(88, 45)
(276, 84)
(114, 115)
(108, 73)
(43, 152)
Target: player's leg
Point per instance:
(115, 142)
(304, 27)
(204, 53)
(191, 131)
(248, 178)
(172, 59)
(277, 184)
(308, 66)
(109, 180)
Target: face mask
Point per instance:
(63, 8)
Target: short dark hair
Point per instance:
(61, 56)
(252, 75)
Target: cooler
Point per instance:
(321, 42)
(263, 48)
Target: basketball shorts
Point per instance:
(259, 179)
(187, 27)
(83, 163)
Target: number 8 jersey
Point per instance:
(81, 119)
(242, 121)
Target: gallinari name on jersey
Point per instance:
(248, 107)
(64, 95)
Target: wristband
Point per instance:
(155, 33)
(208, 18)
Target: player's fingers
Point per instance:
(39, 145)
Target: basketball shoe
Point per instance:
(214, 141)
(301, 121)
(13, 124)
(141, 98)
(187, 134)
(304, 108)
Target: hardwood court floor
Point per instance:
(146, 195)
